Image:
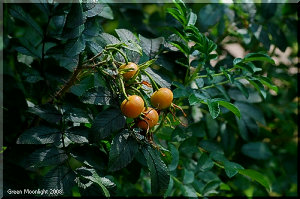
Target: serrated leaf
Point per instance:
(93, 176)
(158, 170)
(133, 50)
(75, 16)
(47, 112)
(97, 96)
(39, 135)
(151, 46)
(76, 115)
(60, 178)
(78, 134)
(99, 9)
(108, 121)
(18, 12)
(254, 175)
(161, 79)
(122, 151)
(75, 46)
(46, 157)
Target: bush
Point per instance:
(229, 129)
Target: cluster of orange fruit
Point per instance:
(134, 106)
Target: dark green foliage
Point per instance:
(63, 111)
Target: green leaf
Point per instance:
(107, 122)
(177, 15)
(214, 108)
(204, 163)
(83, 86)
(181, 92)
(69, 63)
(75, 16)
(192, 18)
(151, 47)
(47, 112)
(258, 86)
(90, 155)
(40, 135)
(232, 168)
(211, 187)
(122, 151)
(257, 150)
(230, 107)
(78, 134)
(72, 33)
(188, 191)
(158, 170)
(97, 96)
(75, 46)
(175, 157)
(258, 57)
(97, 9)
(93, 176)
(254, 175)
(266, 81)
(242, 88)
(46, 157)
(210, 146)
(61, 177)
(159, 78)
(133, 50)
(182, 47)
(28, 48)
(188, 177)
(199, 82)
(18, 12)
(212, 125)
(76, 115)
(209, 15)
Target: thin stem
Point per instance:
(221, 83)
(214, 75)
(151, 79)
(69, 83)
(98, 55)
(123, 55)
(123, 88)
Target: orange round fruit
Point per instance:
(128, 75)
(150, 119)
(132, 107)
(162, 98)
